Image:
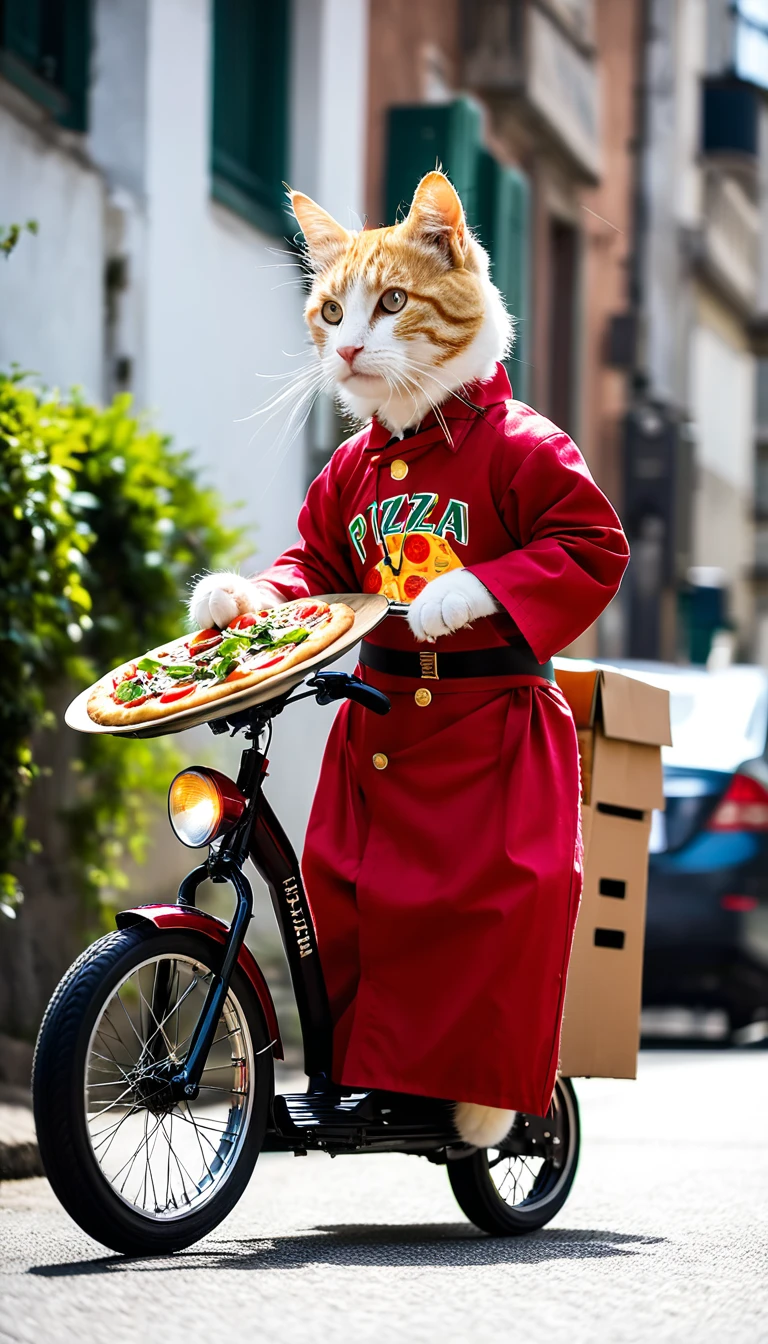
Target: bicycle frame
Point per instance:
(260, 836)
(325, 1117)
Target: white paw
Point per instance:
(482, 1126)
(449, 603)
(219, 598)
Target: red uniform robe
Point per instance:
(445, 883)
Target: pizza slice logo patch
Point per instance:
(415, 559)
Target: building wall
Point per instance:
(207, 318)
(608, 238)
(608, 228)
(51, 308)
(413, 57)
(722, 380)
(224, 304)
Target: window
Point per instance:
(496, 200)
(563, 260)
(44, 50)
(504, 229)
(427, 136)
(250, 91)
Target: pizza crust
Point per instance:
(104, 710)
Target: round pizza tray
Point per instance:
(369, 609)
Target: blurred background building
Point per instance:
(611, 154)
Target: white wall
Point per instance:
(723, 400)
(722, 381)
(221, 307)
(51, 310)
(209, 305)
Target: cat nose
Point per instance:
(348, 352)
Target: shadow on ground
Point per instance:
(446, 1245)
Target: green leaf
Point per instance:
(222, 667)
(148, 664)
(129, 690)
(86, 494)
(233, 644)
(290, 637)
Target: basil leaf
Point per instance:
(222, 667)
(129, 690)
(181, 670)
(233, 644)
(290, 637)
(149, 665)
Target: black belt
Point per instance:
(430, 666)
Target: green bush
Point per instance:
(102, 524)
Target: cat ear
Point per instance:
(325, 238)
(437, 216)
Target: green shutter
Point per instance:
(249, 123)
(45, 50)
(504, 230)
(22, 21)
(75, 61)
(445, 135)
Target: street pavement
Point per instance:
(664, 1238)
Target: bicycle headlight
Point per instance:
(202, 805)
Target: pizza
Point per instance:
(416, 558)
(199, 669)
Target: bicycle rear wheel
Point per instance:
(142, 1175)
(508, 1195)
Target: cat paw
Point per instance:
(482, 1126)
(218, 598)
(449, 603)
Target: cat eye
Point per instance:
(332, 312)
(393, 300)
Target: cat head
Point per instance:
(402, 316)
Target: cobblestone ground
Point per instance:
(664, 1238)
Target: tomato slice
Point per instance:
(132, 704)
(413, 585)
(256, 665)
(416, 548)
(243, 622)
(311, 609)
(372, 581)
(204, 640)
(177, 693)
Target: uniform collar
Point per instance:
(459, 416)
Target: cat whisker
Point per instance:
(294, 425)
(300, 379)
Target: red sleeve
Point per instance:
(572, 550)
(321, 561)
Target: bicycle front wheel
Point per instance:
(142, 1175)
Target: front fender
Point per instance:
(186, 917)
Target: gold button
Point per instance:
(423, 696)
(399, 469)
(380, 760)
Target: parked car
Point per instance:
(707, 924)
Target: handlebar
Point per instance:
(330, 686)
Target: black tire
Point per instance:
(478, 1195)
(58, 1086)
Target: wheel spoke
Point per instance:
(160, 1169)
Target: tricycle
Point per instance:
(153, 1084)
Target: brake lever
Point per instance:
(330, 686)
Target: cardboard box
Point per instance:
(622, 724)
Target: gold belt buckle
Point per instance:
(428, 662)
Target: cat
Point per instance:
(396, 355)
